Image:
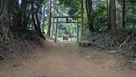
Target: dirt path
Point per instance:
(66, 60)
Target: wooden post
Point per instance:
(56, 31)
(77, 31)
(82, 16)
(52, 29)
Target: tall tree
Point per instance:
(89, 11)
(113, 20)
(109, 14)
(82, 15)
(35, 18)
(49, 20)
(123, 14)
(107, 3)
(5, 7)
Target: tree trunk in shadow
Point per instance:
(109, 16)
(5, 33)
(36, 22)
(89, 11)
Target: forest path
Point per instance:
(65, 59)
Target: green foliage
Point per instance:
(130, 15)
(73, 6)
(132, 1)
(69, 28)
(73, 11)
(129, 1)
(128, 31)
(134, 46)
(100, 17)
(69, 3)
(86, 31)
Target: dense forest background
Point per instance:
(109, 24)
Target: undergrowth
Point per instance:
(21, 46)
(126, 39)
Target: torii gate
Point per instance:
(77, 25)
(57, 17)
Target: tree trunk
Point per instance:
(24, 15)
(35, 19)
(113, 21)
(123, 14)
(89, 11)
(49, 21)
(2, 4)
(82, 15)
(38, 26)
(5, 34)
(109, 16)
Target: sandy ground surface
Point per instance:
(65, 59)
